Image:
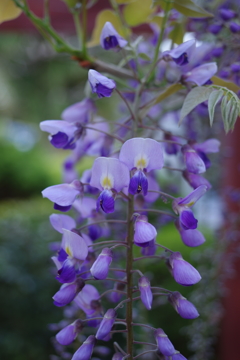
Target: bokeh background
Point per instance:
(35, 85)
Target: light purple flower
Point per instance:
(84, 299)
(68, 292)
(100, 268)
(108, 175)
(145, 292)
(144, 232)
(85, 350)
(183, 272)
(141, 156)
(201, 74)
(193, 161)
(164, 344)
(196, 180)
(85, 206)
(190, 237)
(100, 84)
(110, 39)
(68, 334)
(60, 222)
(180, 53)
(208, 146)
(62, 133)
(118, 356)
(183, 307)
(81, 112)
(152, 185)
(106, 324)
(177, 356)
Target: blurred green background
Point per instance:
(36, 85)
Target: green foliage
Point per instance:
(185, 7)
(137, 12)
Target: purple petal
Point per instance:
(179, 54)
(178, 356)
(142, 154)
(74, 245)
(85, 206)
(193, 197)
(234, 27)
(106, 324)
(184, 307)
(138, 183)
(183, 272)
(152, 185)
(145, 291)
(55, 126)
(193, 161)
(100, 84)
(100, 267)
(187, 220)
(67, 335)
(227, 14)
(144, 231)
(191, 238)
(164, 344)
(59, 140)
(201, 74)
(105, 201)
(85, 297)
(62, 194)
(208, 146)
(150, 249)
(85, 350)
(60, 222)
(62, 208)
(67, 273)
(79, 112)
(196, 180)
(110, 38)
(109, 173)
(68, 292)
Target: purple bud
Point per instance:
(146, 293)
(178, 356)
(100, 268)
(105, 201)
(235, 67)
(106, 324)
(110, 39)
(227, 14)
(183, 272)
(190, 237)
(118, 356)
(164, 344)
(218, 51)
(138, 183)
(144, 231)
(187, 219)
(234, 27)
(193, 161)
(67, 335)
(100, 84)
(196, 180)
(215, 28)
(80, 112)
(183, 307)
(85, 351)
(68, 292)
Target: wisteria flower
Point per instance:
(68, 334)
(180, 53)
(80, 112)
(68, 292)
(183, 272)
(190, 237)
(109, 175)
(193, 161)
(144, 232)
(208, 146)
(100, 84)
(62, 133)
(106, 324)
(183, 307)
(60, 222)
(110, 39)
(141, 156)
(201, 74)
(85, 350)
(85, 298)
(196, 180)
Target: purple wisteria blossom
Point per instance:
(182, 208)
(180, 53)
(85, 299)
(110, 39)
(62, 133)
(141, 156)
(183, 307)
(190, 237)
(208, 146)
(164, 344)
(193, 161)
(68, 334)
(196, 180)
(85, 350)
(100, 267)
(144, 232)
(110, 176)
(145, 292)
(68, 292)
(100, 84)
(60, 222)
(183, 272)
(79, 113)
(106, 324)
(201, 74)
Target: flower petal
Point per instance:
(74, 245)
(194, 196)
(62, 194)
(60, 222)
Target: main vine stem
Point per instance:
(130, 233)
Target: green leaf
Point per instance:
(168, 92)
(234, 115)
(223, 111)
(195, 97)
(214, 98)
(227, 84)
(177, 33)
(190, 9)
(144, 57)
(137, 13)
(8, 10)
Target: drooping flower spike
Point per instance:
(141, 156)
(182, 208)
(109, 175)
(110, 39)
(100, 84)
(179, 54)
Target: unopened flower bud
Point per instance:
(68, 292)
(67, 335)
(106, 324)
(100, 267)
(183, 307)
(190, 237)
(164, 344)
(183, 272)
(178, 356)
(118, 356)
(110, 39)
(193, 161)
(146, 293)
(101, 85)
(144, 231)
(85, 350)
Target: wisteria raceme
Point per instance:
(119, 204)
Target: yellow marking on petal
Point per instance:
(68, 250)
(191, 203)
(107, 181)
(141, 163)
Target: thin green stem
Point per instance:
(46, 11)
(126, 103)
(104, 132)
(78, 28)
(84, 27)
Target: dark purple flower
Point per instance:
(217, 51)
(62, 133)
(193, 161)
(215, 28)
(100, 84)
(227, 14)
(138, 183)
(145, 292)
(235, 67)
(68, 334)
(144, 232)
(234, 27)
(171, 148)
(100, 267)
(164, 344)
(183, 307)
(105, 201)
(80, 112)
(85, 350)
(150, 249)
(183, 272)
(110, 39)
(179, 54)
(106, 324)
(68, 292)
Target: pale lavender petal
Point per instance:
(109, 173)
(85, 297)
(193, 161)
(60, 222)
(110, 38)
(85, 206)
(79, 112)
(62, 194)
(179, 54)
(67, 335)
(100, 84)
(201, 74)
(144, 231)
(208, 146)
(193, 197)
(55, 126)
(196, 180)
(183, 272)
(68, 292)
(142, 154)
(190, 237)
(145, 292)
(106, 324)
(100, 267)
(183, 307)
(74, 245)
(152, 185)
